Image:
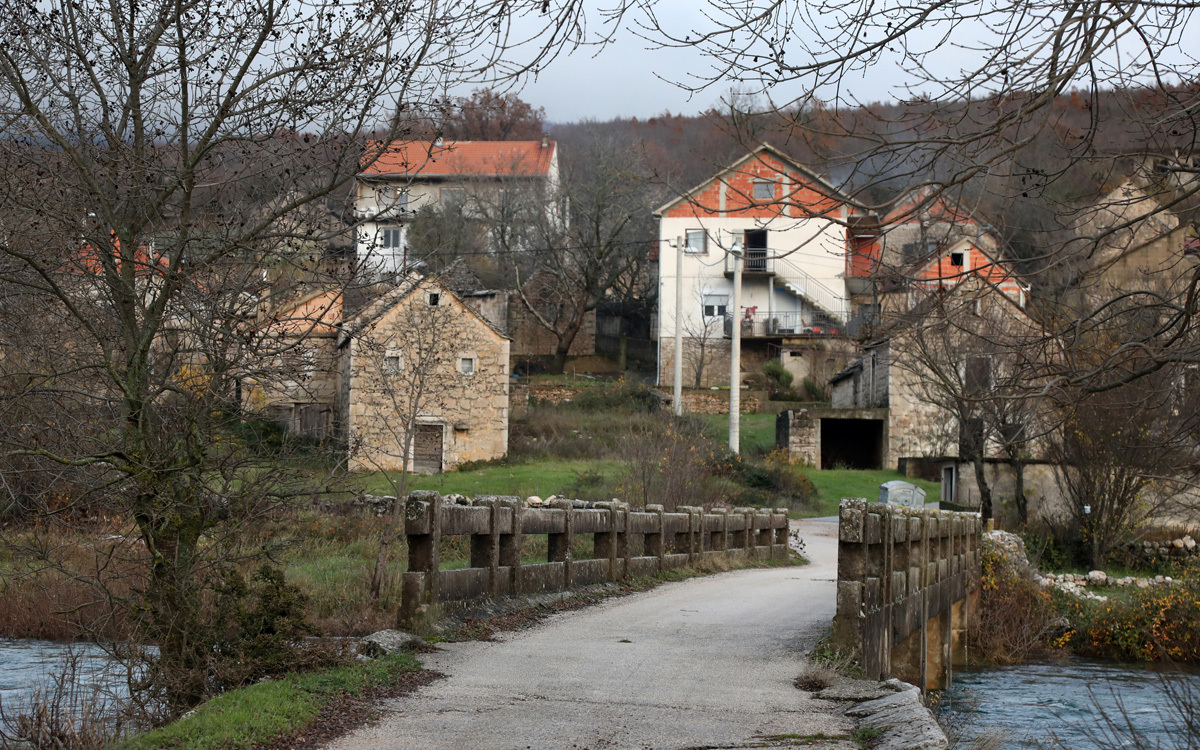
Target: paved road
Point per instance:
(704, 663)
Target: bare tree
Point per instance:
(572, 246)
(140, 140)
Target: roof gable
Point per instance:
(385, 304)
(764, 161)
(458, 159)
(938, 270)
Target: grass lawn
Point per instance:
(248, 718)
(541, 477)
(756, 432)
(834, 484)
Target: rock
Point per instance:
(456, 499)
(1177, 543)
(1142, 583)
(387, 642)
(533, 501)
(1097, 578)
(856, 690)
(1189, 543)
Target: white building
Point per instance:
(792, 225)
(400, 179)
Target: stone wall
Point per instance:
(716, 352)
(906, 581)
(626, 543)
(800, 435)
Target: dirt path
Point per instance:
(704, 663)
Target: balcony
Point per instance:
(785, 325)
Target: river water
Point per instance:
(27, 665)
(1063, 704)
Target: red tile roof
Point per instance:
(462, 158)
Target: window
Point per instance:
(956, 259)
(715, 305)
(310, 363)
(393, 360)
(696, 242)
(977, 379)
(764, 191)
(390, 237)
(435, 299)
(391, 199)
(453, 196)
(466, 365)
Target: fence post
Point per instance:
(723, 534)
(423, 530)
(781, 532)
(656, 544)
(623, 539)
(560, 544)
(510, 544)
(691, 531)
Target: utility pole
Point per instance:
(677, 393)
(735, 354)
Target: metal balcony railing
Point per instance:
(760, 324)
(795, 279)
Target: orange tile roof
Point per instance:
(89, 261)
(462, 158)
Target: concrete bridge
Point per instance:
(907, 582)
(704, 663)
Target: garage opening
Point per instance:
(851, 443)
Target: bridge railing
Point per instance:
(625, 543)
(907, 579)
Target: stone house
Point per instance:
(897, 400)
(888, 252)
(791, 223)
(399, 179)
(423, 381)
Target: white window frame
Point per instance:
(700, 247)
(720, 310)
(387, 233)
(756, 187)
(462, 363)
(433, 299)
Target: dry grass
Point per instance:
(816, 677)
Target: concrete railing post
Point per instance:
(656, 544)
(559, 545)
(510, 544)
(422, 527)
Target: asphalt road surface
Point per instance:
(703, 663)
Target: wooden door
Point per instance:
(427, 449)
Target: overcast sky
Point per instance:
(626, 78)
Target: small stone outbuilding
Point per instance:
(423, 380)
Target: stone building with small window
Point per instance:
(423, 381)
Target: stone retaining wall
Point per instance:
(626, 543)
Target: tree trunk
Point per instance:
(393, 526)
(985, 492)
(173, 611)
(1019, 491)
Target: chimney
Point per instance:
(545, 140)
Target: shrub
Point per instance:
(813, 390)
(1161, 622)
(626, 395)
(778, 375)
(1017, 618)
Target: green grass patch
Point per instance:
(834, 484)
(756, 432)
(252, 716)
(541, 477)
